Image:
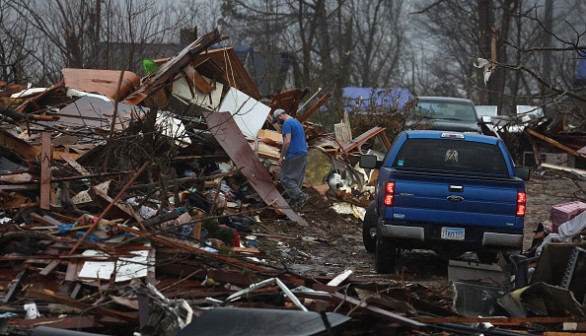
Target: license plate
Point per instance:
(453, 233)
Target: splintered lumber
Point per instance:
(13, 286)
(51, 266)
(555, 143)
(314, 108)
(120, 194)
(379, 311)
(45, 294)
(178, 244)
(46, 157)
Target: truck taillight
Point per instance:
(521, 203)
(389, 193)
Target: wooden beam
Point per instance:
(122, 191)
(46, 157)
(45, 294)
(21, 147)
(556, 144)
(14, 285)
(324, 99)
(174, 243)
(403, 320)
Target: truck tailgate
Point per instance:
(453, 200)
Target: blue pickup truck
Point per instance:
(445, 191)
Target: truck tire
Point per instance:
(369, 228)
(384, 260)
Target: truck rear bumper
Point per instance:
(405, 232)
(418, 233)
(502, 239)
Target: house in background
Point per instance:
(272, 72)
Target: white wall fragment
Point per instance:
(249, 113)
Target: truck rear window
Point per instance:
(460, 156)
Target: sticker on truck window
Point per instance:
(400, 163)
(451, 155)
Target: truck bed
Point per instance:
(482, 202)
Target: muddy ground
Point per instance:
(333, 242)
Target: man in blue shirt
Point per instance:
(293, 158)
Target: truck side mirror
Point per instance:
(368, 161)
(523, 172)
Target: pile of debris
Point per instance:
(126, 205)
(125, 202)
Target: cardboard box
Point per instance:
(562, 213)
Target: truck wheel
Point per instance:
(385, 255)
(369, 228)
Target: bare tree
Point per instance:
(336, 43)
(380, 43)
(513, 35)
(134, 30)
(91, 33)
(15, 58)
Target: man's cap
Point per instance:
(277, 113)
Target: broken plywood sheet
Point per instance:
(267, 151)
(18, 146)
(249, 114)
(95, 112)
(84, 197)
(104, 82)
(191, 94)
(232, 71)
(124, 269)
(273, 136)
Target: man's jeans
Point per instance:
(292, 175)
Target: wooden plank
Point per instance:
(15, 283)
(116, 211)
(49, 268)
(190, 248)
(101, 216)
(71, 161)
(75, 290)
(58, 155)
(21, 147)
(46, 157)
(72, 270)
(272, 135)
(45, 220)
(379, 311)
(324, 99)
(45, 294)
(196, 79)
(556, 144)
(361, 139)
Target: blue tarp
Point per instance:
(374, 99)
